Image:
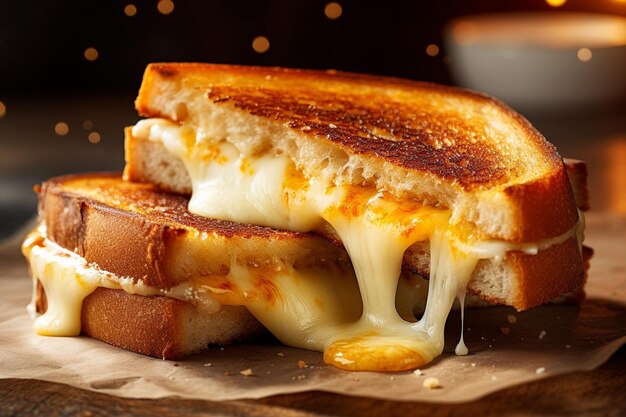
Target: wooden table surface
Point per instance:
(599, 138)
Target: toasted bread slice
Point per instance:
(95, 215)
(442, 145)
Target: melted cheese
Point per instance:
(312, 300)
(68, 279)
(375, 228)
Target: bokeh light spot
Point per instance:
(165, 7)
(130, 10)
(91, 54)
(432, 50)
(584, 54)
(333, 10)
(261, 44)
(61, 128)
(94, 137)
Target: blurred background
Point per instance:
(70, 70)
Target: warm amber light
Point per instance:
(333, 10)
(130, 10)
(3, 110)
(261, 44)
(432, 50)
(91, 54)
(165, 6)
(94, 137)
(584, 54)
(556, 3)
(87, 125)
(61, 128)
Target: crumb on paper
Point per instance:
(511, 318)
(391, 378)
(493, 377)
(540, 370)
(473, 364)
(208, 364)
(542, 334)
(281, 354)
(302, 364)
(247, 372)
(298, 377)
(417, 372)
(431, 383)
(505, 330)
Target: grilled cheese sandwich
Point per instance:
(406, 176)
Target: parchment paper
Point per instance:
(542, 342)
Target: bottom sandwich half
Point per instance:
(129, 265)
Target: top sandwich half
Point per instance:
(438, 145)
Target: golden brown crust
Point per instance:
(412, 130)
(145, 201)
(156, 326)
(544, 276)
(546, 207)
(147, 325)
(132, 229)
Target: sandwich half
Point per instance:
(390, 168)
(129, 265)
